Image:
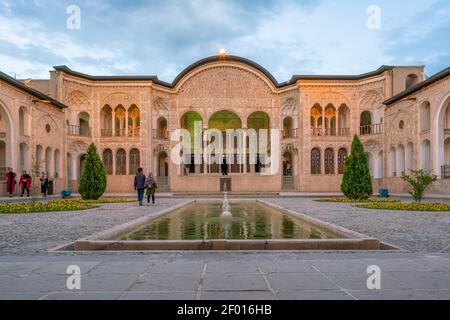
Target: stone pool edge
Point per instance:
(358, 242)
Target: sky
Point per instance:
(161, 38)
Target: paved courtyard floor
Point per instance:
(29, 271)
(227, 276)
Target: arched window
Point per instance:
(380, 165)
(425, 155)
(48, 160)
(119, 121)
(161, 132)
(23, 121)
(409, 153)
(108, 161)
(344, 121)
(134, 121)
(330, 120)
(24, 157)
(135, 161)
(371, 164)
(121, 162)
(342, 155)
(392, 162)
(57, 163)
(447, 152)
(288, 128)
(83, 123)
(411, 80)
(425, 117)
(69, 167)
(400, 160)
(315, 161)
(366, 123)
(329, 161)
(317, 121)
(106, 121)
(37, 167)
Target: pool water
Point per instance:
(251, 221)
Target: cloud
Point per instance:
(23, 68)
(286, 37)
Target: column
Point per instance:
(113, 124)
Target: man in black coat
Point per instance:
(139, 185)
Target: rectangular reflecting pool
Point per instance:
(250, 221)
(236, 225)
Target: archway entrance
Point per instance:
(163, 165)
(5, 143)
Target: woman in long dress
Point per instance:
(150, 187)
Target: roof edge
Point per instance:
(438, 76)
(218, 58)
(35, 93)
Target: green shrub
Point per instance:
(357, 182)
(419, 180)
(93, 178)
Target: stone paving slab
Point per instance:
(226, 276)
(414, 231)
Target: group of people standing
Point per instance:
(25, 183)
(147, 185)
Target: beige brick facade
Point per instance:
(130, 119)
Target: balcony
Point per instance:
(78, 131)
(290, 133)
(160, 134)
(330, 132)
(371, 129)
(445, 170)
(106, 133)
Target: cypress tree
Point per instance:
(93, 178)
(357, 182)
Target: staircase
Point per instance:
(163, 184)
(288, 183)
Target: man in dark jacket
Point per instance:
(139, 185)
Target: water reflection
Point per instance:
(251, 220)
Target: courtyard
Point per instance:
(30, 268)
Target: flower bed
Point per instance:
(50, 206)
(407, 206)
(346, 200)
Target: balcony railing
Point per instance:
(447, 131)
(79, 131)
(2, 173)
(160, 134)
(330, 132)
(289, 133)
(106, 132)
(445, 172)
(134, 132)
(371, 129)
(3, 135)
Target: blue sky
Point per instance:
(163, 37)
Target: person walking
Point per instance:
(25, 183)
(44, 184)
(139, 185)
(10, 182)
(150, 187)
